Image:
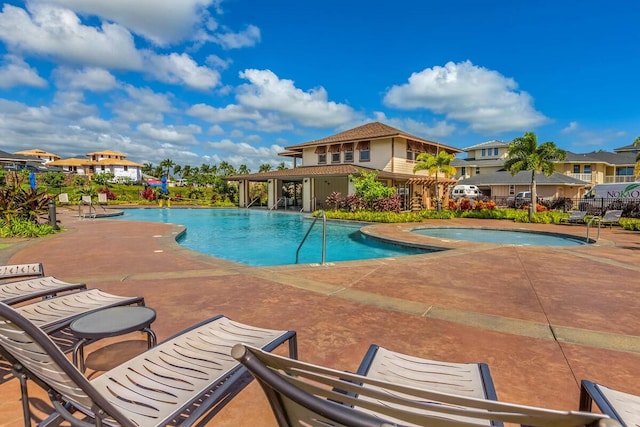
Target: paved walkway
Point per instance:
(542, 317)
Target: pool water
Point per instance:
(261, 238)
(505, 237)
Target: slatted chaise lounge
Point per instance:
(54, 315)
(623, 407)
(464, 379)
(575, 217)
(21, 270)
(302, 394)
(180, 381)
(610, 218)
(24, 290)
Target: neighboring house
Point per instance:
(484, 167)
(500, 185)
(102, 162)
(600, 167)
(481, 159)
(327, 164)
(40, 154)
(17, 162)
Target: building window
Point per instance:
(463, 171)
(126, 168)
(363, 148)
(495, 151)
(102, 168)
(484, 152)
(625, 171)
(512, 189)
(576, 168)
(335, 153)
(477, 170)
(587, 168)
(322, 155)
(348, 152)
(414, 148)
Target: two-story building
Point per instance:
(484, 167)
(327, 164)
(102, 162)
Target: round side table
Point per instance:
(111, 322)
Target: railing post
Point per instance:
(324, 238)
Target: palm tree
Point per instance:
(441, 162)
(166, 164)
(281, 166)
(147, 168)
(265, 167)
(243, 170)
(526, 155)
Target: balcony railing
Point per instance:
(581, 176)
(619, 178)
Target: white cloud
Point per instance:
(16, 72)
(142, 105)
(162, 22)
(485, 99)
(238, 153)
(230, 113)
(266, 92)
(230, 40)
(174, 134)
(89, 78)
(180, 68)
(439, 130)
(215, 130)
(55, 32)
(573, 126)
(95, 123)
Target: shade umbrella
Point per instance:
(32, 180)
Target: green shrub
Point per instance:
(20, 227)
(369, 216)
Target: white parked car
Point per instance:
(465, 191)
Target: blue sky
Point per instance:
(202, 81)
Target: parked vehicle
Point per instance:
(465, 191)
(601, 195)
(520, 199)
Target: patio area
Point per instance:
(542, 318)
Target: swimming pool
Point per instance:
(261, 238)
(504, 237)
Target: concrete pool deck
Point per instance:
(542, 317)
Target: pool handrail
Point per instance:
(324, 236)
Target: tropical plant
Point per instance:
(265, 167)
(441, 162)
(103, 178)
(166, 165)
(369, 188)
(525, 154)
(53, 179)
(281, 166)
(244, 170)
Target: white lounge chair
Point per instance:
(21, 270)
(180, 381)
(623, 407)
(303, 394)
(41, 287)
(574, 217)
(610, 217)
